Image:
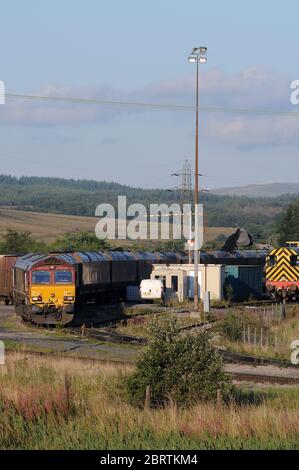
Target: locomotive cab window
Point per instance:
(63, 277)
(41, 277)
(294, 260)
(272, 260)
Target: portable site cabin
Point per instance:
(178, 280)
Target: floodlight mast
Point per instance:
(198, 56)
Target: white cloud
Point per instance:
(22, 111)
(254, 88)
(255, 131)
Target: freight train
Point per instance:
(282, 272)
(48, 288)
(6, 282)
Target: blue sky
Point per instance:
(137, 51)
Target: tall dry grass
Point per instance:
(64, 403)
(277, 335)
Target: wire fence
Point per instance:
(270, 314)
(259, 335)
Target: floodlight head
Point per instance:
(203, 50)
(203, 60)
(192, 59)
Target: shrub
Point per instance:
(19, 243)
(232, 327)
(79, 240)
(228, 292)
(179, 367)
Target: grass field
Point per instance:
(47, 227)
(56, 403)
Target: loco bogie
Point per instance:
(281, 291)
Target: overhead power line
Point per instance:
(102, 102)
(154, 106)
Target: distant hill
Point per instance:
(260, 190)
(257, 214)
(47, 227)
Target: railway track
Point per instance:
(252, 303)
(148, 310)
(111, 336)
(255, 374)
(115, 337)
(264, 378)
(156, 311)
(104, 333)
(228, 356)
(237, 358)
(250, 377)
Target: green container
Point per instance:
(244, 282)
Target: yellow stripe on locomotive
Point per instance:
(282, 272)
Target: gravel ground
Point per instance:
(46, 340)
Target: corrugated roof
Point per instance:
(28, 261)
(214, 257)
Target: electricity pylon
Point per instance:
(186, 196)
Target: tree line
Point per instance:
(80, 197)
(21, 243)
(288, 226)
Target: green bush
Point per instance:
(79, 241)
(228, 292)
(232, 327)
(182, 368)
(13, 242)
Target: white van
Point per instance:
(151, 289)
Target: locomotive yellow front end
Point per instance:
(52, 291)
(282, 273)
(45, 290)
